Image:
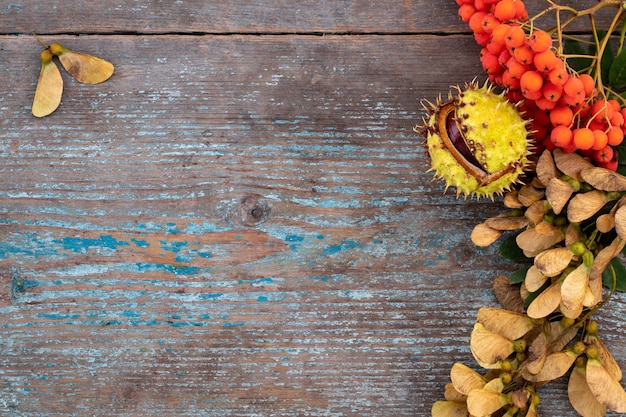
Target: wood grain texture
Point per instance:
(237, 224)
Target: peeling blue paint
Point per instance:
(345, 244)
(81, 245)
(234, 324)
(255, 281)
(295, 240)
(210, 296)
(140, 243)
(175, 269)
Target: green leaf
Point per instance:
(572, 47)
(509, 250)
(617, 73)
(615, 267)
(519, 276)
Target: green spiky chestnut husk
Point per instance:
(477, 141)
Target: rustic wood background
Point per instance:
(239, 222)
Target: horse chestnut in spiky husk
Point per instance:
(477, 141)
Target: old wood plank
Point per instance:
(237, 225)
(242, 16)
(238, 16)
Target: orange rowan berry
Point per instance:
(601, 110)
(466, 11)
(551, 91)
(505, 10)
(558, 75)
(476, 22)
(510, 82)
(574, 101)
(561, 136)
(589, 84)
(482, 5)
(515, 37)
(604, 155)
(583, 138)
(462, 2)
(520, 10)
(490, 22)
(574, 87)
(499, 33)
(516, 68)
(545, 61)
(615, 135)
(600, 139)
(481, 38)
(531, 82)
(543, 103)
(524, 54)
(490, 62)
(561, 115)
(540, 40)
(614, 104)
(503, 57)
(617, 119)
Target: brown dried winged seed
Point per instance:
(528, 194)
(608, 361)
(533, 243)
(506, 222)
(537, 353)
(555, 366)
(546, 170)
(584, 205)
(536, 212)
(571, 163)
(552, 262)
(489, 347)
(573, 290)
(620, 222)
(558, 194)
(484, 402)
(451, 394)
(464, 379)
(508, 294)
(534, 279)
(605, 223)
(511, 200)
(546, 302)
(604, 179)
(580, 396)
(508, 324)
(604, 387)
(449, 408)
(603, 258)
(572, 235)
(483, 235)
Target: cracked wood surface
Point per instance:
(238, 222)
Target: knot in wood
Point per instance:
(253, 209)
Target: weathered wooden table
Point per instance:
(238, 222)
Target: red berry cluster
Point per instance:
(564, 107)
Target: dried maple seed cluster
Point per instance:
(567, 213)
(565, 108)
(477, 141)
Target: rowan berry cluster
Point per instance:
(565, 108)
